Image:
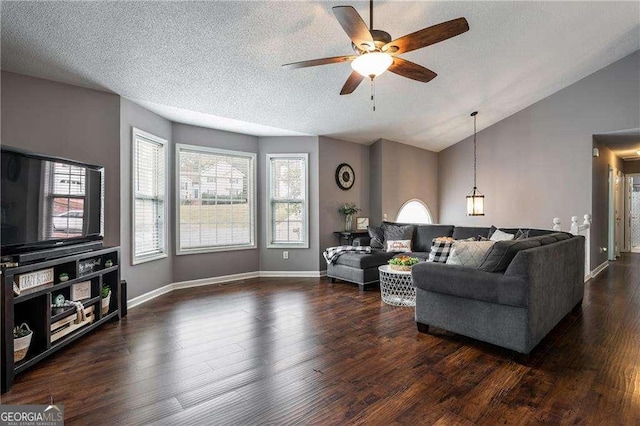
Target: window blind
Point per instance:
(288, 223)
(216, 199)
(149, 195)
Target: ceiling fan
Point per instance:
(376, 53)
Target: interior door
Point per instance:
(634, 213)
(619, 213)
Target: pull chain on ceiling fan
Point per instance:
(376, 52)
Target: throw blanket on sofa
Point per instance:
(333, 253)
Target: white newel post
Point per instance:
(585, 230)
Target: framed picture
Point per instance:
(81, 291)
(362, 223)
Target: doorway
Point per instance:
(616, 214)
(632, 212)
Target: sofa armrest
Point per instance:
(361, 241)
(470, 283)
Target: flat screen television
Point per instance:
(48, 202)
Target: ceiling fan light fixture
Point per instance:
(372, 64)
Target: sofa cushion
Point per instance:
(551, 238)
(464, 232)
(470, 283)
(469, 253)
(423, 235)
(502, 253)
(364, 261)
(377, 237)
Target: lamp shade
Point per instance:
(372, 64)
(475, 203)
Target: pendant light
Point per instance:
(475, 200)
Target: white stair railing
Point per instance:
(583, 229)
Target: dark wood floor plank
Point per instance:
(306, 351)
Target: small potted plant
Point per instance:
(106, 298)
(348, 210)
(403, 263)
(21, 341)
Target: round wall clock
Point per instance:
(345, 177)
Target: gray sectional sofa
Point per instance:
(534, 283)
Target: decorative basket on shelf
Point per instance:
(106, 299)
(21, 341)
(403, 263)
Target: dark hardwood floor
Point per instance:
(285, 351)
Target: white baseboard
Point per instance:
(139, 300)
(131, 303)
(292, 274)
(215, 280)
(599, 269)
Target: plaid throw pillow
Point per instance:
(440, 249)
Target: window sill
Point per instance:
(288, 246)
(150, 258)
(184, 252)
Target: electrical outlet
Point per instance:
(285, 255)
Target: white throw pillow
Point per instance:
(501, 236)
(469, 253)
(400, 246)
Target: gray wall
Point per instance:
(70, 122)
(299, 259)
(144, 277)
(600, 201)
(206, 265)
(401, 173)
(375, 177)
(332, 153)
(536, 164)
(631, 167)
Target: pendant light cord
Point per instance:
(475, 152)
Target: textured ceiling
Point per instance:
(625, 143)
(222, 60)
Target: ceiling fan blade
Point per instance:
(323, 61)
(352, 83)
(427, 36)
(354, 26)
(411, 70)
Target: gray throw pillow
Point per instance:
(521, 234)
(502, 253)
(377, 237)
(397, 232)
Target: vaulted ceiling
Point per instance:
(219, 63)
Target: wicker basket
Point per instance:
(400, 267)
(21, 345)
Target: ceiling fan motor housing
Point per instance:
(380, 38)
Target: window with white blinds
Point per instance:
(149, 207)
(216, 208)
(288, 208)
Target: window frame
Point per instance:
(419, 201)
(253, 197)
(136, 260)
(305, 204)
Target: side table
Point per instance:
(396, 287)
